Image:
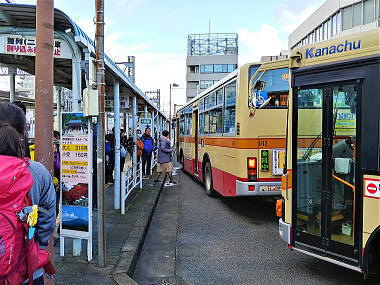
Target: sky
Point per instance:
(155, 32)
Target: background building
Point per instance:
(210, 57)
(337, 18)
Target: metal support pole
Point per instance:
(145, 111)
(76, 84)
(134, 128)
(170, 112)
(12, 86)
(123, 192)
(101, 84)
(44, 81)
(116, 98)
(58, 89)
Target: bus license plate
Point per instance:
(269, 188)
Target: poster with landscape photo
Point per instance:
(75, 182)
(74, 124)
(75, 218)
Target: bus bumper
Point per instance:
(258, 188)
(284, 231)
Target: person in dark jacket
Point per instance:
(26, 140)
(147, 152)
(165, 156)
(42, 193)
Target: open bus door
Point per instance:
(327, 170)
(196, 131)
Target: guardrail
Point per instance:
(130, 179)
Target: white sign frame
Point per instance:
(276, 170)
(29, 42)
(65, 233)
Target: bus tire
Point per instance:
(207, 180)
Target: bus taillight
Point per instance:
(252, 168)
(279, 208)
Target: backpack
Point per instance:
(148, 144)
(140, 147)
(20, 255)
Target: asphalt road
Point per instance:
(195, 239)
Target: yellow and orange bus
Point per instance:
(330, 206)
(231, 137)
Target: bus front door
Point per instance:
(326, 169)
(195, 114)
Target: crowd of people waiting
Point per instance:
(29, 194)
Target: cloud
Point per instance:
(290, 18)
(87, 25)
(154, 70)
(254, 44)
(272, 39)
(127, 6)
(69, 216)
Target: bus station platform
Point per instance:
(125, 236)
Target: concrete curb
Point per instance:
(133, 245)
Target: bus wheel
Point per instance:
(208, 180)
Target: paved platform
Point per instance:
(125, 235)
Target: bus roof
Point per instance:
(275, 64)
(359, 45)
(218, 84)
(212, 87)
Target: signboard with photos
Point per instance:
(76, 178)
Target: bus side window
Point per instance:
(202, 123)
(206, 123)
(229, 108)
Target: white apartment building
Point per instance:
(210, 57)
(336, 18)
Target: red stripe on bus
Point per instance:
(223, 182)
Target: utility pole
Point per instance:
(170, 108)
(101, 84)
(44, 81)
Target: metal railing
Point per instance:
(154, 159)
(130, 179)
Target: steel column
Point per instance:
(12, 86)
(116, 98)
(76, 86)
(44, 81)
(58, 90)
(134, 128)
(101, 84)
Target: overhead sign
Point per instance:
(144, 123)
(372, 188)
(109, 103)
(21, 45)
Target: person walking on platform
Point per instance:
(165, 156)
(27, 205)
(147, 152)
